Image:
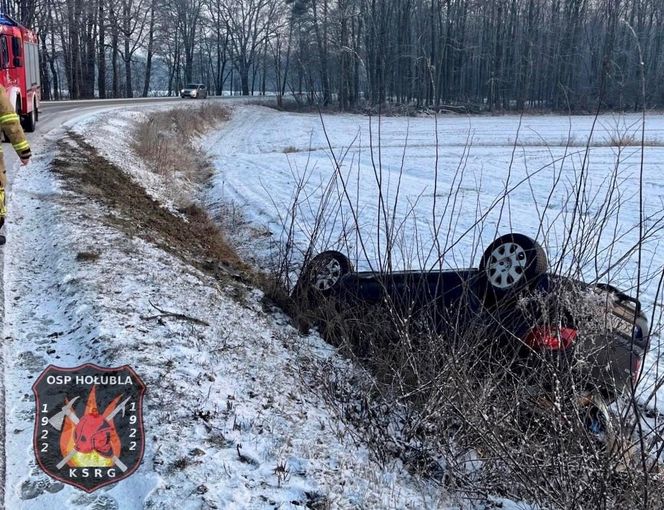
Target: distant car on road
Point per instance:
(525, 312)
(194, 90)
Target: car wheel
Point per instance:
(597, 419)
(512, 262)
(325, 270)
(318, 279)
(602, 425)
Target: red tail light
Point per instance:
(554, 339)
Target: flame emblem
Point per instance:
(93, 440)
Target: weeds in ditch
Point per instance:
(165, 140)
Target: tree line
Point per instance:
(572, 55)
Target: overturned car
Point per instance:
(527, 316)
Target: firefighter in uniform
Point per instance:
(11, 126)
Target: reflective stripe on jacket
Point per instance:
(11, 125)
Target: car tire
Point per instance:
(313, 304)
(511, 263)
(29, 121)
(325, 270)
(600, 423)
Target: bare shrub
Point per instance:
(623, 139)
(452, 395)
(456, 407)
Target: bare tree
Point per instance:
(248, 24)
(460, 54)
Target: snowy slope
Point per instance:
(227, 404)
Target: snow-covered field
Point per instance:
(433, 178)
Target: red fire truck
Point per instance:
(19, 69)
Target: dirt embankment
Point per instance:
(188, 233)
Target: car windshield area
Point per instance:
(191, 86)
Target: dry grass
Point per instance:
(629, 140)
(615, 139)
(611, 140)
(164, 140)
(504, 427)
(191, 235)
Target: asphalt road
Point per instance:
(48, 108)
(57, 107)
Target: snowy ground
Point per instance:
(228, 405)
(438, 175)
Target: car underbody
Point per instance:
(541, 327)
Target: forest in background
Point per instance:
(476, 55)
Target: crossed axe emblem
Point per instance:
(57, 422)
